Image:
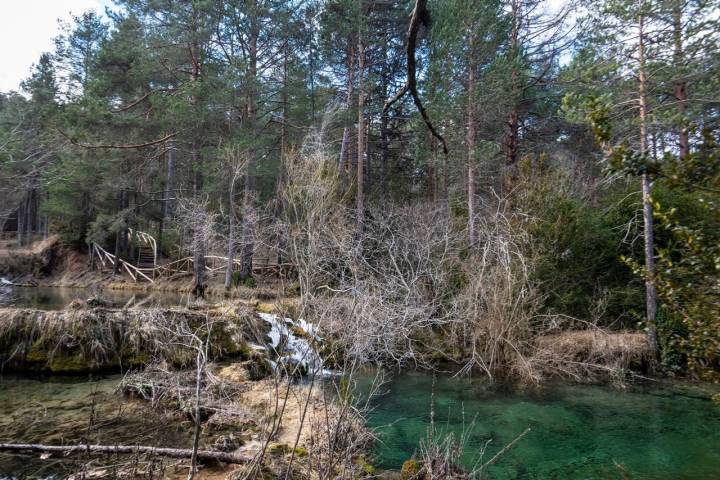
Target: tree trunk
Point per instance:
(512, 125)
(384, 154)
(279, 205)
(198, 421)
(650, 288)
(361, 138)
(432, 169)
(125, 449)
(680, 85)
(199, 265)
(28, 219)
(20, 223)
(249, 194)
(168, 192)
(471, 150)
(344, 161)
(118, 236)
(231, 235)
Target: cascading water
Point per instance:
(294, 342)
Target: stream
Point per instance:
(647, 432)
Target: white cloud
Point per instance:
(27, 28)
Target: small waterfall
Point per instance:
(294, 340)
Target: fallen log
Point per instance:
(126, 449)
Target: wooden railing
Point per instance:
(147, 239)
(105, 256)
(213, 264)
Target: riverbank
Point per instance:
(85, 338)
(240, 417)
(247, 407)
(49, 263)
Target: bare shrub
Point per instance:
(375, 292)
(499, 302)
(409, 290)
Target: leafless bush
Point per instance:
(373, 292)
(590, 353)
(409, 289)
(499, 302)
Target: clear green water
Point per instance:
(70, 410)
(577, 432)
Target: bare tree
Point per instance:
(195, 216)
(236, 165)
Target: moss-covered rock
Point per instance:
(93, 339)
(278, 449)
(258, 367)
(301, 452)
(410, 470)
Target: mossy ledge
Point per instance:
(103, 339)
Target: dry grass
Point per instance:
(589, 354)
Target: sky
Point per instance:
(27, 28)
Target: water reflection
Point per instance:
(57, 298)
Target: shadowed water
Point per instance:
(57, 298)
(577, 432)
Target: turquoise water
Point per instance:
(577, 432)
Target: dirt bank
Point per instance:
(38, 260)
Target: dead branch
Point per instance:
(419, 15)
(125, 449)
(129, 146)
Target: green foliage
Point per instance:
(577, 246)
(249, 282)
(365, 467)
(686, 206)
(410, 470)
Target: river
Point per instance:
(57, 298)
(647, 432)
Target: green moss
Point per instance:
(37, 354)
(229, 346)
(278, 449)
(301, 452)
(366, 467)
(136, 359)
(258, 367)
(69, 364)
(293, 290)
(299, 332)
